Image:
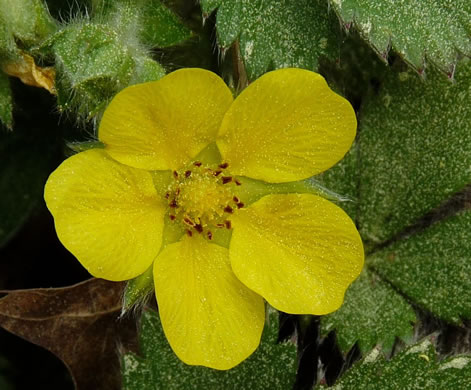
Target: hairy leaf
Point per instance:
(271, 366)
(433, 268)
(415, 368)
(277, 33)
(415, 145)
(373, 313)
(433, 31)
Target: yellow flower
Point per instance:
(208, 191)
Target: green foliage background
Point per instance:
(404, 66)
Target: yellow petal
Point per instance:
(286, 126)
(209, 317)
(107, 214)
(300, 252)
(163, 124)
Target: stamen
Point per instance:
(189, 233)
(223, 165)
(210, 235)
(236, 199)
(228, 209)
(227, 224)
(175, 174)
(217, 173)
(197, 163)
(226, 179)
(167, 195)
(237, 182)
(199, 228)
(240, 205)
(173, 204)
(188, 221)
(188, 173)
(220, 225)
(172, 217)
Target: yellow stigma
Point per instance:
(202, 198)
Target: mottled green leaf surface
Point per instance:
(433, 268)
(29, 20)
(276, 33)
(272, 366)
(415, 368)
(433, 31)
(415, 146)
(372, 313)
(6, 105)
(161, 27)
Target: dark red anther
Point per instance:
(175, 174)
(173, 204)
(240, 205)
(220, 225)
(210, 235)
(198, 228)
(197, 163)
(188, 173)
(227, 224)
(167, 195)
(217, 173)
(226, 179)
(172, 217)
(223, 165)
(236, 199)
(189, 233)
(228, 209)
(237, 182)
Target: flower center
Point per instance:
(202, 197)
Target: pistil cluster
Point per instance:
(202, 198)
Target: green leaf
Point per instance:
(278, 33)
(414, 368)
(415, 143)
(6, 104)
(271, 366)
(432, 267)
(93, 65)
(373, 313)
(29, 20)
(161, 27)
(433, 31)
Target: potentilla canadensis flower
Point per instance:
(210, 191)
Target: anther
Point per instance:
(167, 195)
(228, 209)
(226, 179)
(172, 217)
(173, 204)
(188, 221)
(199, 228)
(187, 173)
(240, 205)
(189, 233)
(197, 163)
(220, 225)
(175, 174)
(236, 199)
(223, 165)
(237, 182)
(227, 224)
(217, 173)
(210, 235)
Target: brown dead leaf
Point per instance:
(79, 324)
(31, 74)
